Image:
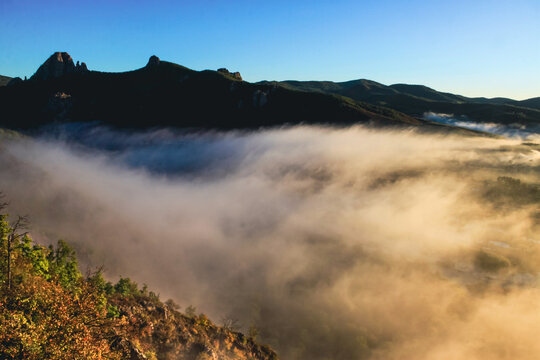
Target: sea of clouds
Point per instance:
(335, 243)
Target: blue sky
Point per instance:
(476, 47)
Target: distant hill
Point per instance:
(4, 80)
(167, 94)
(415, 100)
(531, 103)
(424, 92)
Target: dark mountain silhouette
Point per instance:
(57, 65)
(4, 80)
(415, 100)
(167, 94)
(531, 103)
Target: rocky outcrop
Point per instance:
(151, 327)
(153, 61)
(59, 106)
(81, 67)
(235, 75)
(58, 64)
(128, 348)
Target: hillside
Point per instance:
(167, 94)
(49, 310)
(415, 100)
(4, 80)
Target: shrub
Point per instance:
(126, 287)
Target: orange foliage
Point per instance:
(41, 320)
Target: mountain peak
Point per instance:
(235, 75)
(58, 64)
(153, 61)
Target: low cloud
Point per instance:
(516, 130)
(335, 243)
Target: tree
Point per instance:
(9, 236)
(63, 265)
(4, 234)
(12, 239)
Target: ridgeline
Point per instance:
(164, 94)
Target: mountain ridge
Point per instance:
(167, 94)
(415, 100)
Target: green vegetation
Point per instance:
(49, 310)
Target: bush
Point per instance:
(126, 287)
(63, 265)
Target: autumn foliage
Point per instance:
(49, 310)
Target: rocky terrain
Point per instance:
(57, 65)
(154, 329)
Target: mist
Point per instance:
(347, 243)
(515, 130)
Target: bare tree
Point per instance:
(15, 234)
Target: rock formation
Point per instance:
(81, 67)
(58, 64)
(235, 75)
(153, 61)
(59, 106)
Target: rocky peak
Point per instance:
(235, 75)
(58, 64)
(81, 67)
(153, 61)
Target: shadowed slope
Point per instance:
(415, 100)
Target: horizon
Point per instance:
(475, 50)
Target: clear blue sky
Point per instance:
(476, 47)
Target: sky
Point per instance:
(474, 48)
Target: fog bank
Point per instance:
(335, 243)
(515, 130)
